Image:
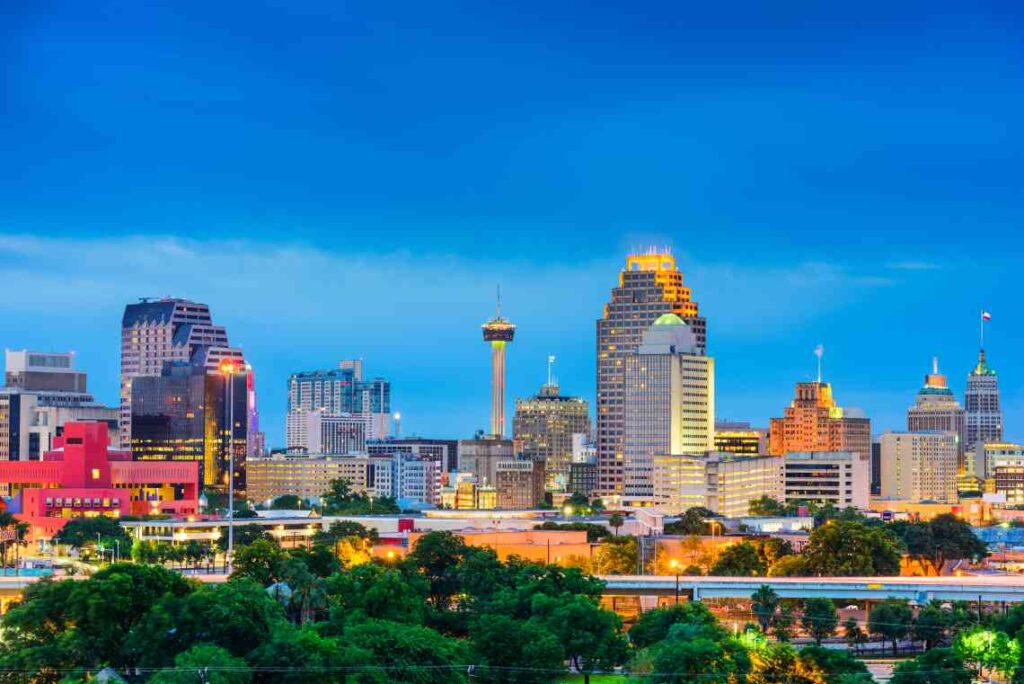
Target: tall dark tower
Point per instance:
(498, 332)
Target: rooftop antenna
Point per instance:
(499, 300)
(935, 365)
(819, 351)
(551, 362)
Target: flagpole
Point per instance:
(982, 324)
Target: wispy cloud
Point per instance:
(415, 318)
(913, 266)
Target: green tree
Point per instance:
(789, 566)
(766, 506)
(590, 636)
(80, 533)
(853, 635)
(287, 502)
(937, 666)
(764, 606)
(842, 548)
(931, 624)
(205, 663)
(945, 537)
(238, 616)
(691, 521)
(683, 656)
(293, 654)
(618, 556)
(774, 663)
(988, 650)
(409, 653)
(260, 561)
(438, 556)
(615, 521)
(245, 535)
(738, 560)
(783, 623)
(772, 549)
(653, 625)
(890, 621)
(344, 529)
(836, 666)
(820, 618)
(515, 652)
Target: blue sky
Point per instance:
(352, 179)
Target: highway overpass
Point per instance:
(986, 588)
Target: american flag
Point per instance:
(986, 316)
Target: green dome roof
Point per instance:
(669, 319)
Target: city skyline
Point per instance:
(858, 378)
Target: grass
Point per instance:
(594, 679)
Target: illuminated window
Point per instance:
(95, 473)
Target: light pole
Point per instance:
(229, 369)
(674, 564)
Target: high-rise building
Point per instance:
(519, 484)
(183, 414)
(41, 393)
(337, 392)
(168, 330)
(480, 457)
(319, 432)
(650, 286)
(814, 422)
(740, 438)
(920, 466)
(668, 402)
(1003, 465)
(543, 429)
(935, 408)
(498, 332)
(721, 482)
(840, 478)
(983, 420)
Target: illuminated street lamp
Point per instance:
(674, 564)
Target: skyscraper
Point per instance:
(935, 408)
(920, 466)
(543, 429)
(183, 415)
(649, 286)
(41, 393)
(337, 392)
(983, 421)
(157, 331)
(498, 332)
(813, 422)
(668, 403)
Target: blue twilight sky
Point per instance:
(343, 179)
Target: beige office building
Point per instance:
(311, 476)
(668, 402)
(721, 482)
(920, 466)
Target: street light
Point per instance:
(674, 564)
(229, 368)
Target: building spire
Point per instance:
(819, 351)
(935, 365)
(498, 307)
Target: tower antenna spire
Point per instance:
(935, 365)
(551, 362)
(819, 351)
(498, 308)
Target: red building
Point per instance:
(83, 477)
